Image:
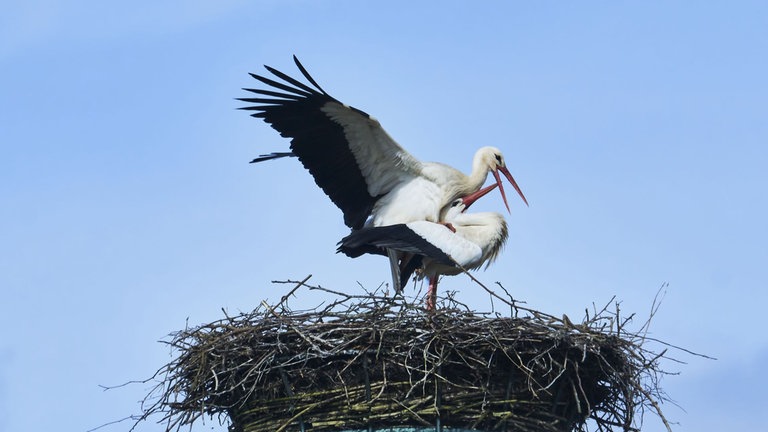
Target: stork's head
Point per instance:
(492, 159)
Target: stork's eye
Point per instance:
(498, 158)
(455, 202)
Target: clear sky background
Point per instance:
(637, 130)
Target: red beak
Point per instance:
(471, 198)
(511, 180)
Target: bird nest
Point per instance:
(364, 362)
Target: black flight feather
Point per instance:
(273, 155)
(398, 237)
(295, 111)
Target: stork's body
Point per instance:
(465, 241)
(370, 177)
(484, 234)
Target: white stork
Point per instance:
(463, 241)
(357, 164)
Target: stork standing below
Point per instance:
(463, 241)
(358, 165)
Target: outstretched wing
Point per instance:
(426, 239)
(347, 151)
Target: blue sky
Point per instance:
(637, 131)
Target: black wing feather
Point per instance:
(410, 267)
(291, 80)
(318, 142)
(271, 93)
(281, 86)
(273, 155)
(399, 237)
(307, 75)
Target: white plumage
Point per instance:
(369, 176)
(462, 241)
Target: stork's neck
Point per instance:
(479, 173)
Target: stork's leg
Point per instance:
(394, 267)
(431, 298)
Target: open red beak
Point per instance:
(511, 180)
(471, 198)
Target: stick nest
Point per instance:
(376, 361)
